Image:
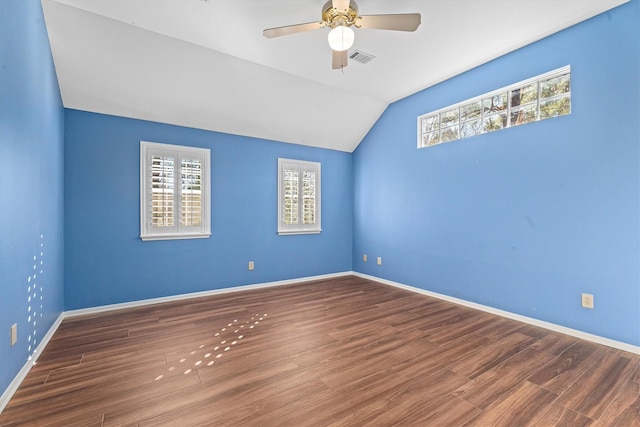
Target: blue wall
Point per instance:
(105, 260)
(31, 186)
(523, 219)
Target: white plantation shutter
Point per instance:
(298, 197)
(174, 189)
(290, 194)
(308, 197)
(190, 192)
(162, 190)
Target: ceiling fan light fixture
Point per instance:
(341, 16)
(341, 38)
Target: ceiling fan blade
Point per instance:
(291, 29)
(399, 22)
(339, 59)
(340, 5)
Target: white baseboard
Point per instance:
(535, 322)
(13, 387)
(140, 303)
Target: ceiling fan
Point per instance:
(340, 16)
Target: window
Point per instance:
(298, 197)
(174, 192)
(539, 98)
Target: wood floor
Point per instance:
(345, 351)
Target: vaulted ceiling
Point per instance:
(205, 63)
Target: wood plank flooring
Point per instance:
(345, 351)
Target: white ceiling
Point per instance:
(205, 63)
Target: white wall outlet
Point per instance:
(379, 260)
(364, 257)
(587, 300)
(251, 265)
(14, 334)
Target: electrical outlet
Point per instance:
(379, 260)
(364, 257)
(251, 265)
(587, 300)
(14, 334)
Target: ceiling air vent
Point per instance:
(362, 57)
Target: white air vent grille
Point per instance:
(362, 57)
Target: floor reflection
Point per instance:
(229, 336)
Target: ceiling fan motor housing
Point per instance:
(334, 17)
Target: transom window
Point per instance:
(298, 197)
(539, 98)
(174, 192)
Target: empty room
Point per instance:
(319, 213)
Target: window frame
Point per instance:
(491, 120)
(177, 231)
(300, 228)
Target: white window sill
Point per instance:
(175, 236)
(286, 232)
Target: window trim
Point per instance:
(199, 232)
(507, 110)
(301, 165)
